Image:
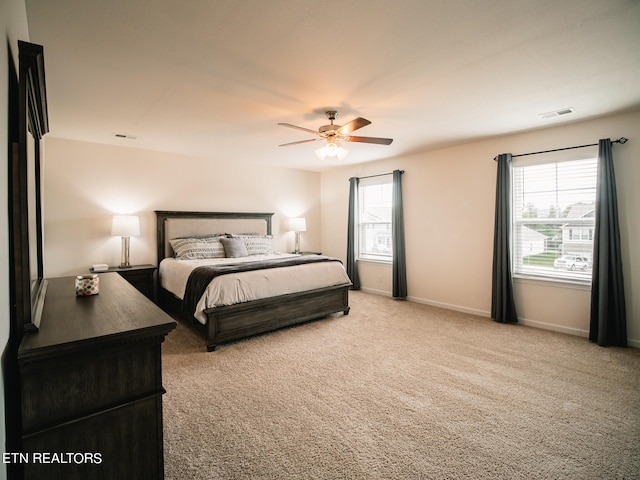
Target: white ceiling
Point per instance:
(214, 77)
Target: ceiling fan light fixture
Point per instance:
(331, 133)
(332, 149)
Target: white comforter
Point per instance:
(240, 287)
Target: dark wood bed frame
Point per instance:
(234, 322)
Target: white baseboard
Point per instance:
(446, 306)
(523, 321)
(568, 330)
(376, 292)
(556, 328)
(449, 306)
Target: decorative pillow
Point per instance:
(257, 244)
(197, 247)
(234, 247)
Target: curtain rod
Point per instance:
(379, 175)
(621, 141)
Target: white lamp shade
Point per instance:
(297, 224)
(125, 226)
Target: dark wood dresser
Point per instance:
(91, 382)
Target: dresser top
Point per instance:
(117, 314)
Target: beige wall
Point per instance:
(449, 200)
(449, 197)
(86, 184)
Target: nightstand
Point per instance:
(140, 276)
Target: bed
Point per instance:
(290, 289)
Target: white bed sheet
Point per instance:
(241, 287)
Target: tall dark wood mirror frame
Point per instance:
(25, 191)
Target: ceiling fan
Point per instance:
(332, 133)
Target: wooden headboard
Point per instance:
(173, 224)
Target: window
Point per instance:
(554, 218)
(374, 218)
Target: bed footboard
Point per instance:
(233, 322)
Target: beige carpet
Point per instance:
(398, 390)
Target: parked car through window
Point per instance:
(571, 262)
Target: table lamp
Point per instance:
(125, 226)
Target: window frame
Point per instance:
(363, 184)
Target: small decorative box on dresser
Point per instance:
(91, 382)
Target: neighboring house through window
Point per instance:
(553, 218)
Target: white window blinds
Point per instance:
(553, 220)
(374, 218)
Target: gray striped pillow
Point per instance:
(196, 248)
(257, 244)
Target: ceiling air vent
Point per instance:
(557, 113)
(124, 135)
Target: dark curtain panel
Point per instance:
(608, 324)
(399, 265)
(503, 307)
(352, 235)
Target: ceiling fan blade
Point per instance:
(353, 125)
(299, 128)
(377, 140)
(301, 141)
